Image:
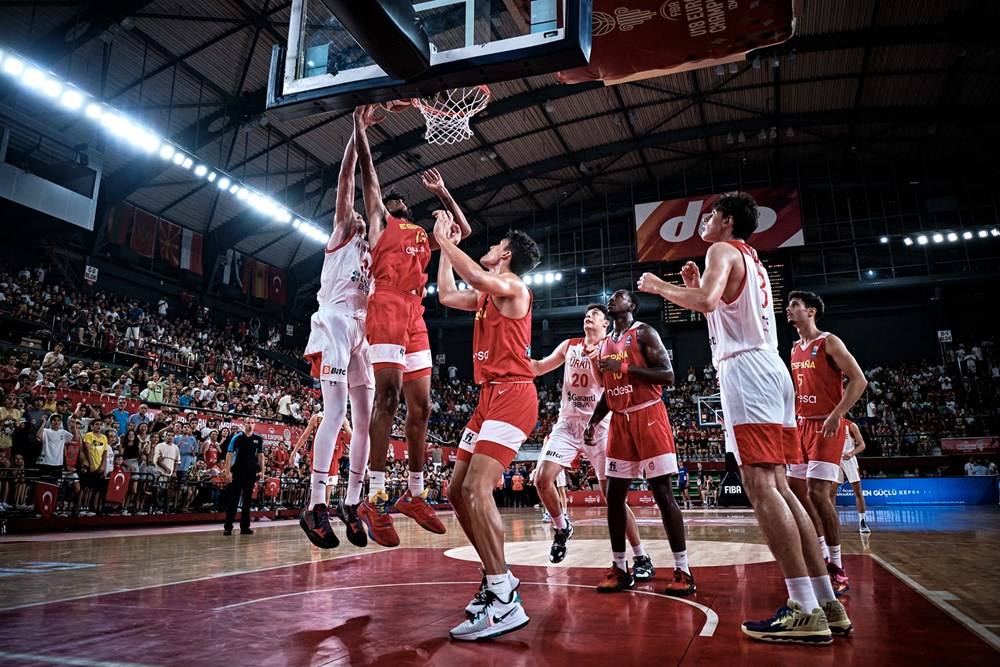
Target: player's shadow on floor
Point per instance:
(301, 647)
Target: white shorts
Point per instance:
(337, 349)
(758, 407)
(850, 470)
(566, 442)
(561, 479)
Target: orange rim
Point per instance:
(418, 102)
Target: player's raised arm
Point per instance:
(706, 295)
(432, 181)
(448, 293)
(364, 117)
(551, 362)
(342, 217)
(478, 278)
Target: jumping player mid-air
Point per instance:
(758, 401)
(397, 335)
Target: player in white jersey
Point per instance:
(338, 354)
(580, 394)
(758, 405)
(854, 444)
(560, 482)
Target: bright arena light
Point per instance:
(966, 235)
(938, 237)
(922, 240)
(463, 286)
(983, 233)
(952, 237)
(549, 277)
(884, 239)
(995, 232)
(527, 279)
(71, 98)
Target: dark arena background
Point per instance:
(169, 175)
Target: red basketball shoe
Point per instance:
(374, 512)
(416, 508)
(682, 585)
(841, 584)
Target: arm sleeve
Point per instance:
(232, 442)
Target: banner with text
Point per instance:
(668, 230)
(923, 491)
(989, 445)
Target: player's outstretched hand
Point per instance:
(432, 181)
(367, 114)
(691, 275)
(649, 283)
(443, 223)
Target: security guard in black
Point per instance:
(245, 464)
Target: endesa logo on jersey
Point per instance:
(668, 230)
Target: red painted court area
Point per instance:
(396, 607)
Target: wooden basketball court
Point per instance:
(923, 591)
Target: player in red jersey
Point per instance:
(633, 367)
(758, 403)
(820, 363)
(399, 348)
(506, 413)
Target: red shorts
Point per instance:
(821, 456)
(506, 415)
(397, 334)
(641, 444)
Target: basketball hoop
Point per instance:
(448, 113)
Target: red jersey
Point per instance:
(399, 259)
(501, 346)
(819, 384)
(211, 455)
(620, 391)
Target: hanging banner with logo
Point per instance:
(987, 445)
(668, 230)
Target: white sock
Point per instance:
(638, 549)
(835, 556)
(863, 516)
(800, 591)
(619, 558)
(565, 517)
(499, 585)
(376, 482)
(823, 588)
(334, 481)
(355, 482)
(559, 521)
(317, 489)
(823, 547)
(361, 399)
(416, 483)
(681, 561)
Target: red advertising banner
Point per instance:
(668, 230)
(46, 496)
(117, 486)
(596, 499)
(988, 445)
(647, 38)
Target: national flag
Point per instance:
(232, 269)
(246, 274)
(46, 496)
(191, 251)
(119, 223)
(271, 487)
(143, 233)
(72, 454)
(169, 239)
(278, 293)
(117, 486)
(260, 271)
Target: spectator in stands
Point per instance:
(10, 421)
(187, 444)
(54, 438)
(36, 417)
(142, 416)
(54, 359)
(93, 466)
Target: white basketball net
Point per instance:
(448, 113)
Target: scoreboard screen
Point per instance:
(674, 314)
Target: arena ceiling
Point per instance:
(878, 73)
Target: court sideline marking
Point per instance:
(707, 630)
(941, 603)
(65, 660)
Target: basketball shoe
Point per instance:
(841, 584)
(863, 527)
(836, 618)
(479, 601)
(616, 580)
(374, 513)
(791, 624)
(496, 618)
(642, 568)
(416, 508)
(559, 540)
(355, 529)
(316, 525)
(682, 585)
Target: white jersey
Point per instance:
(848, 441)
(747, 322)
(581, 390)
(345, 281)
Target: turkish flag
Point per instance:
(118, 486)
(46, 496)
(271, 487)
(72, 454)
(276, 283)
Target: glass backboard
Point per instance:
(322, 68)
